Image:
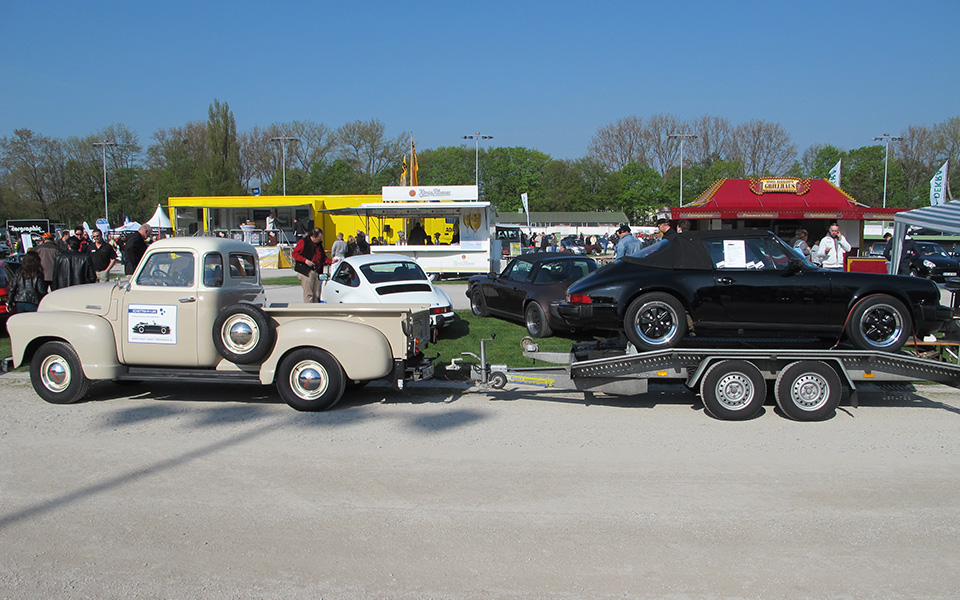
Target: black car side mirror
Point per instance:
(794, 265)
(492, 275)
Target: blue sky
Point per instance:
(543, 75)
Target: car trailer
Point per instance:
(732, 382)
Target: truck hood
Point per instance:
(93, 298)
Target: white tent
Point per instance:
(159, 220)
(129, 226)
(941, 217)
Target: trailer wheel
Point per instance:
(655, 321)
(310, 379)
(477, 303)
(57, 375)
(536, 321)
(242, 334)
(498, 380)
(879, 322)
(808, 390)
(733, 390)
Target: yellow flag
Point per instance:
(413, 165)
(403, 173)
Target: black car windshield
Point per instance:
(653, 249)
(928, 248)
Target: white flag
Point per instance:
(936, 186)
(523, 198)
(835, 174)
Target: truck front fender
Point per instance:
(90, 335)
(362, 351)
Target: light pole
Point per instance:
(886, 155)
(682, 136)
(477, 137)
(282, 140)
(103, 148)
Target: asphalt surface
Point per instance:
(440, 491)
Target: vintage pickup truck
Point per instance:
(195, 310)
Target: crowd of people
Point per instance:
(74, 258)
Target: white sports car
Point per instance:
(386, 278)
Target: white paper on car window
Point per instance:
(734, 254)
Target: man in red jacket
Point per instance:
(308, 260)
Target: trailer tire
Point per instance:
(733, 390)
(310, 379)
(808, 390)
(879, 322)
(242, 334)
(57, 374)
(655, 321)
(536, 321)
(478, 303)
(498, 380)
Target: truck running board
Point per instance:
(189, 375)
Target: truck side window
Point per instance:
(242, 265)
(213, 270)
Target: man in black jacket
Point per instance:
(134, 247)
(72, 267)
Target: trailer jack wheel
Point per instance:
(498, 380)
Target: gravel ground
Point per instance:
(177, 491)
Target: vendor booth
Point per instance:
(417, 210)
(782, 205)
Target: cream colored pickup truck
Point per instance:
(195, 311)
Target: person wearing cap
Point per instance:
(666, 228)
(627, 243)
(48, 251)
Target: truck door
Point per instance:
(159, 312)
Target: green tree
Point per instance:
(505, 173)
(338, 177)
(223, 173)
(447, 165)
(637, 190)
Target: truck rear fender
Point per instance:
(90, 335)
(362, 351)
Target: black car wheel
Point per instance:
(879, 322)
(808, 390)
(655, 321)
(536, 321)
(478, 304)
(57, 375)
(733, 390)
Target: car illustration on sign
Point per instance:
(143, 328)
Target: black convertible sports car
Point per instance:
(748, 284)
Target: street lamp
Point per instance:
(477, 137)
(282, 140)
(682, 136)
(103, 148)
(886, 155)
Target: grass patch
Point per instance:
(290, 280)
(465, 333)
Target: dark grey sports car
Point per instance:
(526, 288)
(748, 284)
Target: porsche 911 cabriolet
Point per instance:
(748, 284)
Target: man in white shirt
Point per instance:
(833, 249)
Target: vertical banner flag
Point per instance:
(414, 167)
(526, 209)
(403, 173)
(937, 184)
(835, 174)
